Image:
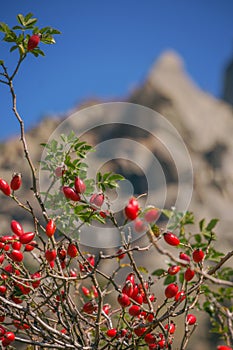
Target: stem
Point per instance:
(22, 134)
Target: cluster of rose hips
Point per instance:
(12, 248)
(141, 219)
(131, 299)
(63, 252)
(12, 245)
(6, 337)
(75, 193)
(197, 256)
(15, 184)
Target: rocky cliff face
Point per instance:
(206, 126)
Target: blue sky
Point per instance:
(107, 47)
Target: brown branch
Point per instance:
(220, 263)
(22, 135)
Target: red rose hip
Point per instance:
(171, 239)
(191, 319)
(189, 274)
(16, 182)
(16, 228)
(33, 42)
(171, 290)
(79, 185)
(5, 187)
(198, 255)
(70, 193)
(50, 228)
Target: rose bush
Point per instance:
(65, 299)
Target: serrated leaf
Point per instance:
(21, 19)
(212, 224)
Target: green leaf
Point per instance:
(39, 52)
(167, 213)
(181, 277)
(10, 37)
(106, 175)
(197, 238)
(4, 27)
(169, 279)
(13, 48)
(116, 177)
(48, 40)
(158, 272)
(17, 27)
(211, 224)
(28, 16)
(21, 19)
(202, 224)
(31, 22)
(208, 307)
(1, 62)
